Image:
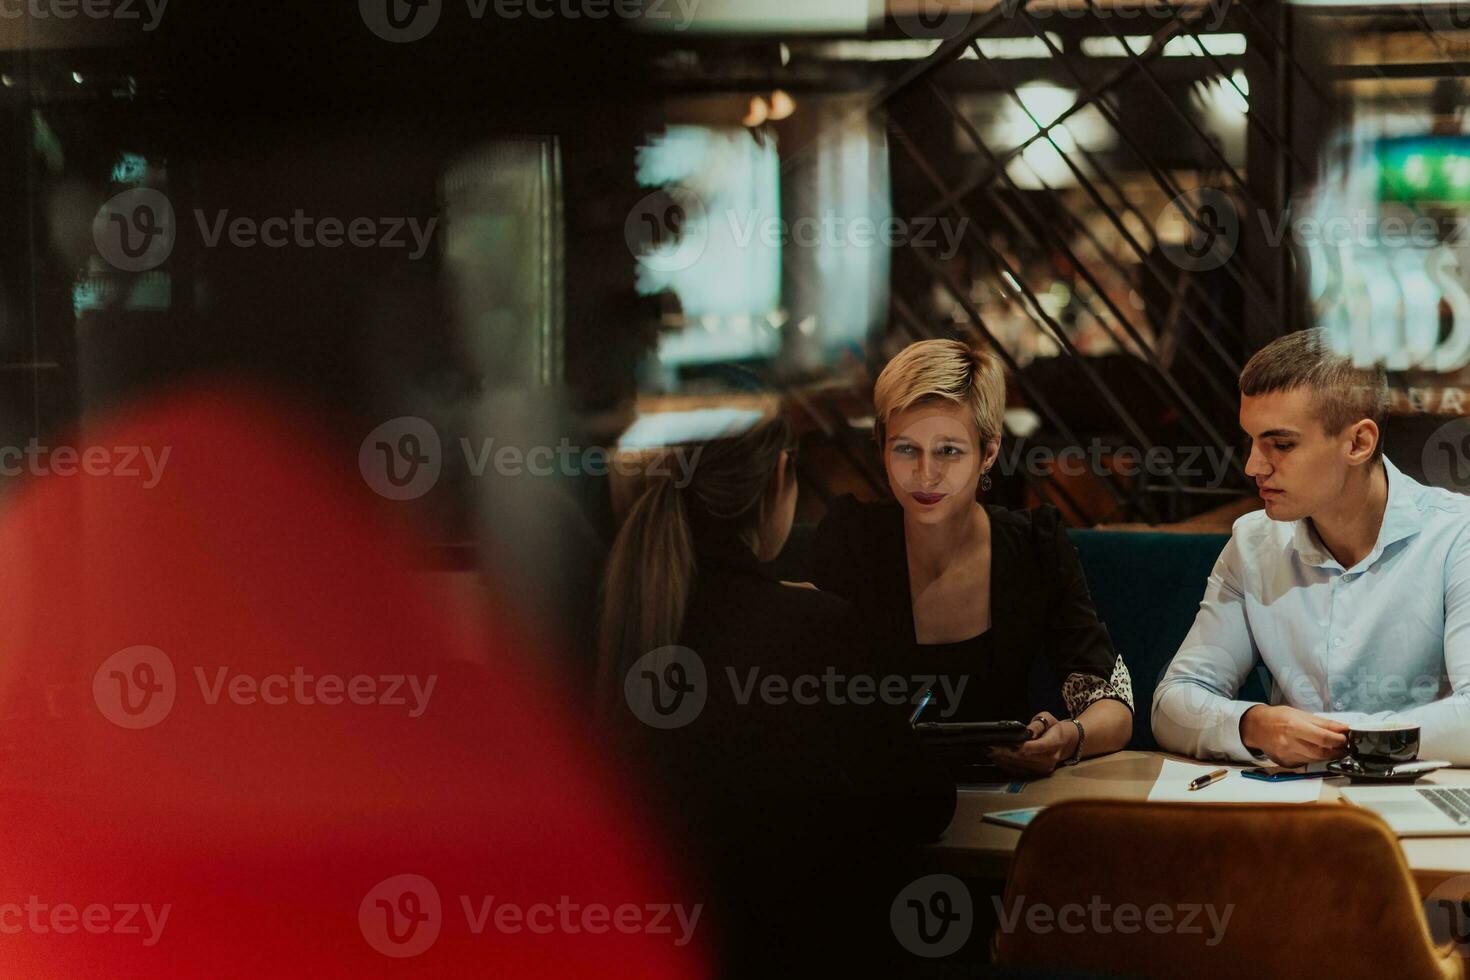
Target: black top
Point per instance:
(803, 814)
(1039, 607)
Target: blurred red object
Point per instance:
(228, 700)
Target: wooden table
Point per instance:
(975, 847)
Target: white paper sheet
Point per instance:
(1172, 786)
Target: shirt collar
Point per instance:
(1402, 518)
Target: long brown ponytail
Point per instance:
(650, 573)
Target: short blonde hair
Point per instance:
(949, 370)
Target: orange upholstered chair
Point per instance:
(1179, 890)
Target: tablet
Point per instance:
(973, 732)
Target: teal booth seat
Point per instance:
(1146, 586)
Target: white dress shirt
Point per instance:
(1385, 640)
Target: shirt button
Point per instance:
(1337, 641)
(1337, 705)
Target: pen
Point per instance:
(1214, 777)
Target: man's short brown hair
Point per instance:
(1342, 394)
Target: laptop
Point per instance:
(1417, 811)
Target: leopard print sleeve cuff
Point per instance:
(1082, 690)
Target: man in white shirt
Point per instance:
(1352, 586)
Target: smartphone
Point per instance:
(1276, 774)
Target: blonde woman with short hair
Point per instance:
(972, 593)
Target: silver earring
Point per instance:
(985, 483)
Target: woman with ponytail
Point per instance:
(741, 492)
(802, 799)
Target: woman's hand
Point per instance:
(1050, 743)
